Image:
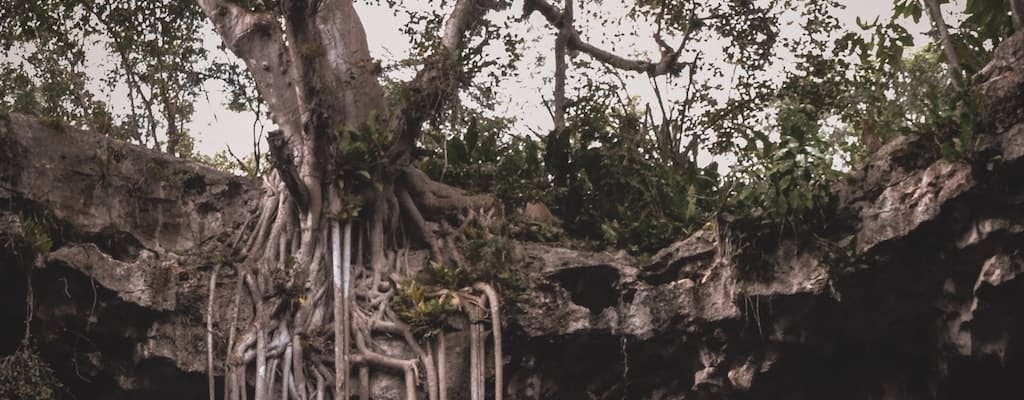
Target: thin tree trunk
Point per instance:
(948, 47)
(561, 66)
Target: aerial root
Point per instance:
(495, 308)
(364, 382)
(442, 369)
(285, 272)
(476, 370)
(209, 331)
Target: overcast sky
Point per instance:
(216, 128)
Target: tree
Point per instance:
(156, 60)
(341, 151)
(345, 153)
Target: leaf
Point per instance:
(915, 11)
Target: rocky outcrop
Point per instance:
(133, 235)
(914, 292)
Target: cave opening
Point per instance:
(593, 287)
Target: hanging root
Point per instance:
(364, 383)
(475, 341)
(209, 332)
(495, 303)
(314, 314)
(442, 369)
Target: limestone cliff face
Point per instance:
(918, 293)
(135, 234)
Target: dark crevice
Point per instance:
(120, 245)
(594, 287)
(194, 184)
(663, 272)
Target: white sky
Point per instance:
(215, 127)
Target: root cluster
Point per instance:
(311, 310)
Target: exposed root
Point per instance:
(315, 314)
(475, 369)
(209, 332)
(495, 303)
(419, 223)
(437, 196)
(364, 383)
(340, 337)
(442, 367)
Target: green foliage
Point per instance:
(782, 188)
(37, 236)
(987, 23)
(25, 375)
(782, 184)
(965, 119)
(620, 174)
(151, 52)
(425, 310)
(794, 178)
(362, 151)
(427, 301)
(481, 155)
(616, 182)
(888, 97)
(493, 260)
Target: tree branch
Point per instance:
(948, 47)
(436, 82)
(464, 16)
(257, 39)
(668, 64)
(561, 43)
